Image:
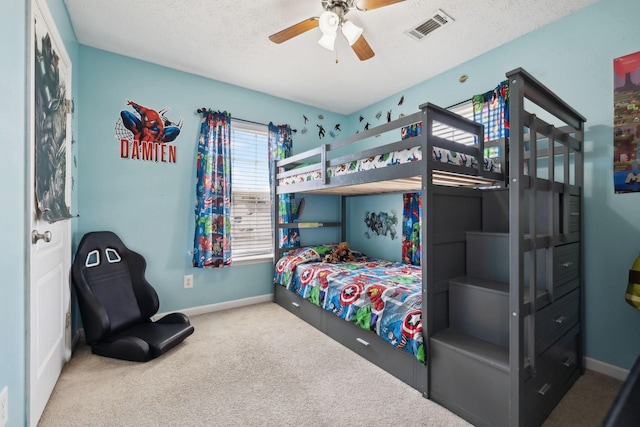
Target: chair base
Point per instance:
(145, 341)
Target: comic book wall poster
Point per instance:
(626, 123)
(147, 134)
(51, 124)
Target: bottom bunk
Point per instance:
(371, 306)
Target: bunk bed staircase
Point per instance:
(512, 347)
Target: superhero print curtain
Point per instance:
(492, 110)
(212, 241)
(411, 214)
(280, 147)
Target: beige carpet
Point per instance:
(587, 403)
(261, 366)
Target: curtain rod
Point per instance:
(202, 110)
(249, 121)
(459, 103)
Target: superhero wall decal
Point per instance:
(147, 134)
(381, 224)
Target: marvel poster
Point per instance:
(626, 123)
(52, 122)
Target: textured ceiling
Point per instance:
(227, 40)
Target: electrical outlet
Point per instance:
(188, 281)
(4, 407)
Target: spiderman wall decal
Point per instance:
(147, 134)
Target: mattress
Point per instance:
(412, 154)
(378, 295)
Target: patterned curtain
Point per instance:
(280, 147)
(492, 110)
(411, 242)
(212, 242)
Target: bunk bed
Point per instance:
(489, 229)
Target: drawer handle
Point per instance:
(567, 264)
(295, 304)
(560, 319)
(544, 389)
(575, 214)
(363, 342)
(568, 362)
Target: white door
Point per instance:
(49, 193)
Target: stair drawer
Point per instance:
(566, 263)
(556, 319)
(554, 368)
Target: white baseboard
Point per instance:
(203, 309)
(78, 335)
(606, 368)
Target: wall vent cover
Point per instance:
(438, 20)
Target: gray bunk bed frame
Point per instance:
(499, 364)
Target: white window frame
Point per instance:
(242, 255)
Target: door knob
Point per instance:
(35, 236)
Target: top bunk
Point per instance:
(389, 158)
(543, 145)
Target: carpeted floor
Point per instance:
(261, 366)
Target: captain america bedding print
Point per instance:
(381, 296)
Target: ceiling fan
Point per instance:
(332, 19)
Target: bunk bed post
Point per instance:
(533, 232)
(426, 240)
(323, 162)
(579, 177)
(551, 208)
(343, 216)
(516, 250)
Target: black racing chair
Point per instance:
(117, 303)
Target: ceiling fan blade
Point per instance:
(362, 49)
(294, 30)
(374, 4)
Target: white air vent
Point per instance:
(423, 29)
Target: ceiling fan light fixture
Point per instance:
(328, 22)
(351, 32)
(328, 41)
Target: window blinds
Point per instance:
(251, 229)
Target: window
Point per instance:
(251, 229)
(464, 109)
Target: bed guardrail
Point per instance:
(309, 170)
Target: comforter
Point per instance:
(378, 295)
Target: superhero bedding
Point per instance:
(413, 154)
(381, 296)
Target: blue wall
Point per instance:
(150, 205)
